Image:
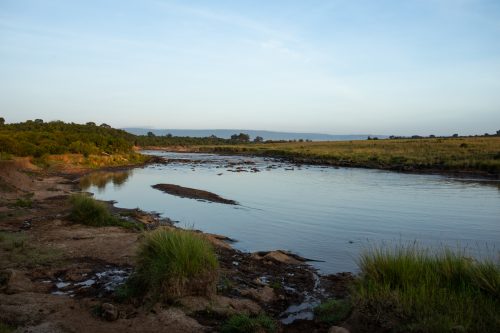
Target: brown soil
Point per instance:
(58, 278)
(192, 193)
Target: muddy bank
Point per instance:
(192, 193)
(58, 276)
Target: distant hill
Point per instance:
(267, 135)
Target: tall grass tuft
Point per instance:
(88, 211)
(416, 290)
(242, 323)
(174, 263)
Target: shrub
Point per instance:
(174, 263)
(418, 290)
(90, 212)
(332, 311)
(244, 324)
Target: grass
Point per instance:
(174, 263)
(416, 290)
(26, 201)
(94, 161)
(16, 249)
(88, 211)
(244, 324)
(474, 154)
(332, 311)
(5, 328)
(5, 156)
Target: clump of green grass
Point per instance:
(6, 328)
(17, 250)
(26, 201)
(416, 290)
(244, 324)
(332, 311)
(172, 264)
(88, 211)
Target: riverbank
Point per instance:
(59, 275)
(462, 156)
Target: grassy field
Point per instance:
(474, 154)
(410, 289)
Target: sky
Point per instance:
(339, 66)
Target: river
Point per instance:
(322, 213)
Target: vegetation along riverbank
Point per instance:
(476, 156)
(92, 145)
(71, 263)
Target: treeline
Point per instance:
(36, 138)
(168, 140)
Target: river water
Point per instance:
(322, 213)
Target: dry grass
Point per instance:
(79, 161)
(475, 154)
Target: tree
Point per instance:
(242, 137)
(258, 139)
(455, 135)
(38, 121)
(2, 121)
(103, 125)
(498, 132)
(90, 123)
(151, 135)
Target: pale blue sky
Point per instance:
(346, 66)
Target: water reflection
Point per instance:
(321, 213)
(100, 179)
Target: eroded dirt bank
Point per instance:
(59, 276)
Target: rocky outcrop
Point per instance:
(279, 256)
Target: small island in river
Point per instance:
(192, 193)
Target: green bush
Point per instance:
(332, 311)
(90, 212)
(174, 263)
(244, 324)
(422, 291)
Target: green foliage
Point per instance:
(242, 323)
(174, 263)
(5, 328)
(36, 138)
(332, 311)
(242, 137)
(16, 249)
(88, 211)
(5, 156)
(24, 203)
(169, 140)
(420, 291)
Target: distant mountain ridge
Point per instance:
(267, 135)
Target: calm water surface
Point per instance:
(320, 213)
